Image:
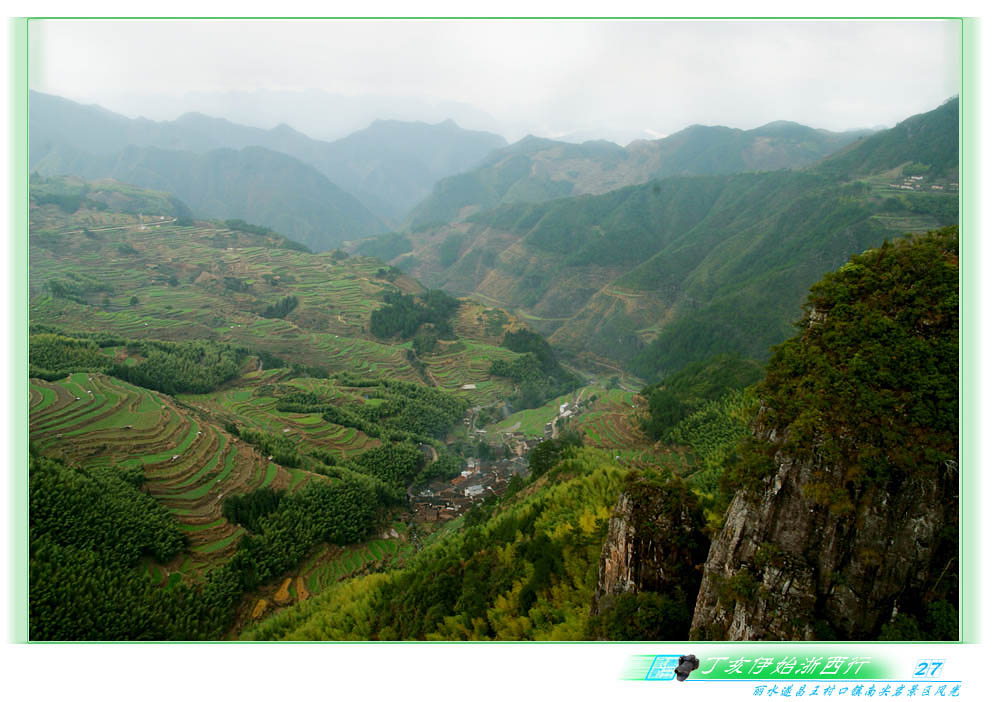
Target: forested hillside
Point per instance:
(674, 271)
(247, 395)
(593, 547)
(536, 170)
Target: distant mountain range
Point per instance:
(254, 184)
(387, 167)
(535, 170)
(677, 269)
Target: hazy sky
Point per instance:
(605, 78)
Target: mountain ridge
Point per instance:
(398, 166)
(654, 271)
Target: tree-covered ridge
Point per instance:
(871, 380)
(929, 140)
(537, 170)
(524, 569)
(399, 410)
(169, 367)
(72, 193)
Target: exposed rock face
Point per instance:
(785, 566)
(655, 543)
(847, 507)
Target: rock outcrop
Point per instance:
(655, 543)
(787, 566)
(842, 520)
(844, 524)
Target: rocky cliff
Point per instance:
(844, 522)
(787, 566)
(842, 517)
(655, 545)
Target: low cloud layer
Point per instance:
(612, 79)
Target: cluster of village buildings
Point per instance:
(441, 501)
(444, 500)
(917, 183)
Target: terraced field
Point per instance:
(189, 464)
(468, 363)
(331, 564)
(206, 282)
(611, 421)
(532, 422)
(326, 567)
(250, 403)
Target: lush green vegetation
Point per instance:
(404, 314)
(683, 392)
(85, 585)
(52, 356)
(871, 380)
(192, 366)
(928, 143)
(281, 308)
(405, 411)
(537, 373)
(70, 194)
(288, 527)
(713, 432)
(521, 569)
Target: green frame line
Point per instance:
(969, 495)
(17, 33)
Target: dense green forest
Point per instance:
(75, 566)
(685, 391)
(841, 389)
(404, 314)
(537, 373)
(406, 411)
(169, 367)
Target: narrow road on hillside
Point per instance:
(125, 226)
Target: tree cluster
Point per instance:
(404, 314)
(282, 308)
(189, 366)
